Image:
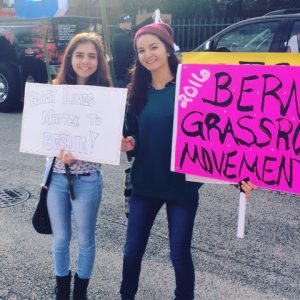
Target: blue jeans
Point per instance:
(88, 191)
(181, 216)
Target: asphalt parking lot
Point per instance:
(263, 265)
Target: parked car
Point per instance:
(277, 31)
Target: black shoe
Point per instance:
(62, 290)
(80, 288)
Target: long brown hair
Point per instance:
(141, 80)
(67, 75)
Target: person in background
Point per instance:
(76, 186)
(293, 45)
(149, 122)
(122, 50)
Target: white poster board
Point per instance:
(194, 178)
(86, 120)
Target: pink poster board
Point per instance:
(237, 121)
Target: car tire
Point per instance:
(10, 87)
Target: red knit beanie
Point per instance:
(161, 30)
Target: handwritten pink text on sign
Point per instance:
(235, 122)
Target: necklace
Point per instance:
(161, 86)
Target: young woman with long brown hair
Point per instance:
(149, 123)
(83, 64)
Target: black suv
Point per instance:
(15, 71)
(277, 31)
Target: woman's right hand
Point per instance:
(66, 157)
(127, 144)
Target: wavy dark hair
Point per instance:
(141, 80)
(67, 75)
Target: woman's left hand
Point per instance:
(66, 157)
(248, 187)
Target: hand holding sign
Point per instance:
(247, 187)
(127, 144)
(66, 157)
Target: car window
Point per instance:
(256, 37)
(293, 45)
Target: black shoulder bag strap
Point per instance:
(68, 174)
(50, 172)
